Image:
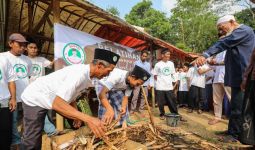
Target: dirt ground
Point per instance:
(193, 134)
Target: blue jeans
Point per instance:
(15, 133)
(49, 128)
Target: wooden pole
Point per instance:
(56, 11)
(153, 97)
(148, 107)
(56, 19)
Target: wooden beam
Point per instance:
(21, 10)
(30, 17)
(93, 28)
(43, 19)
(78, 20)
(56, 19)
(49, 22)
(56, 11)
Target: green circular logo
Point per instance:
(20, 70)
(1, 75)
(73, 54)
(166, 71)
(36, 70)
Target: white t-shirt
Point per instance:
(165, 72)
(219, 70)
(117, 81)
(6, 75)
(22, 67)
(197, 79)
(38, 67)
(67, 83)
(208, 75)
(183, 81)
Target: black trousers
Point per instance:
(208, 104)
(247, 135)
(196, 97)
(168, 98)
(182, 97)
(234, 125)
(33, 121)
(5, 128)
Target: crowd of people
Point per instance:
(224, 70)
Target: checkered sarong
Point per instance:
(115, 99)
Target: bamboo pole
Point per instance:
(148, 107)
(56, 19)
(153, 97)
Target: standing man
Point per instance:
(219, 90)
(58, 91)
(137, 92)
(239, 43)
(164, 74)
(7, 102)
(116, 103)
(22, 67)
(39, 64)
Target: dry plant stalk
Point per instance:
(109, 144)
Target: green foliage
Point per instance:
(246, 17)
(183, 47)
(155, 22)
(193, 25)
(113, 10)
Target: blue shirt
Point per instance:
(146, 66)
(239, 45)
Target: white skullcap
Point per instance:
(225, 19)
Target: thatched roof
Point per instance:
(35, 18)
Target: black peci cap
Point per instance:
(140, 73)
(107, 56)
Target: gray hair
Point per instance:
(97, 61)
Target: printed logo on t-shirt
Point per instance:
(73, 54)
(21, 71)
(1, 76)
(166, 71)
(36, 70)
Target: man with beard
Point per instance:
(239, 44)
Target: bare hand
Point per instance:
(77, 123)
(123, 111)
(12, 105)
(149, 87)
(108, 116)
(200, 61)
(211, 61)
(97, 127)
